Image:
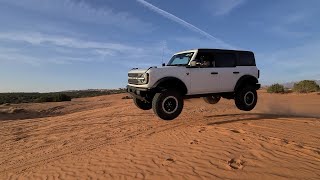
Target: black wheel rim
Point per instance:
(249, 98)
(170, 104)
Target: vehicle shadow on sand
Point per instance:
(255, 117)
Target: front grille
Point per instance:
(132, 76)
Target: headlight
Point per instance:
(143, 79)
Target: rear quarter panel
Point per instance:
(246, 70)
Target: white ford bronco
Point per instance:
(207, 73)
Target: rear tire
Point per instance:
(142, 104)
(246, 98)
(167, 105)
(212, 99)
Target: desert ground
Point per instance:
(107, 137)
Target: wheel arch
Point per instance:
(245, 80)
(171, 82)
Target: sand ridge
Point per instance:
(107, 137)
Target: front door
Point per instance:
(204, 78)
(217, 72)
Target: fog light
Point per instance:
(138, 92)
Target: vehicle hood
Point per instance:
(137, 70)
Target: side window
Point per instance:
(205, 59)
(246, 59)
(224, 60)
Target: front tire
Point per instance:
(142, 104)
(246, 98)
(167, 105)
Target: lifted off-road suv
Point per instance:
(207, 73)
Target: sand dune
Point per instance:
(107, 137)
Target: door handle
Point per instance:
(236, 72)
(214, 73)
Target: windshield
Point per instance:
(180, 59)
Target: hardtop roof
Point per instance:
(213, 50)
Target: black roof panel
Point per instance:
(221, 50)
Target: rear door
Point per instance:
(225, 65)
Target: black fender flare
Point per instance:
(244, 80)
(171, 81)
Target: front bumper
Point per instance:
(143, 94)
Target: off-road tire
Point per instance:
(168, 104)
(142, 104)
(246, 98)
(212, 99)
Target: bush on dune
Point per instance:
(306, 86)
(276, 88)
(54, 98)
(44, 99)
(61, 97)
(16, 98)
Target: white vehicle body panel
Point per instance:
(202, 81)
(199, 80)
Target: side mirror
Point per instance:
(194, 63)
(163, 64)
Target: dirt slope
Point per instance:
(107, 137)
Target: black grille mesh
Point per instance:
(133, 75)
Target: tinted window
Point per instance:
(224, 60)
(205, 59)
(246, 59)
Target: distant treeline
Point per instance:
(15, 98)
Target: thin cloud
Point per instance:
(296, 18)
(286, 32)
(39, 38)
(224, 7)
(16, 56)
(182, 22)
(290, 26)
(69, 50)
(81, 11)
(285, 66)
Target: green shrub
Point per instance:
(276, 88)
(306, 86)
(44, 99)
(53, 98)
(15, 98)
(61, 97)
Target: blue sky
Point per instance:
(59, 45)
